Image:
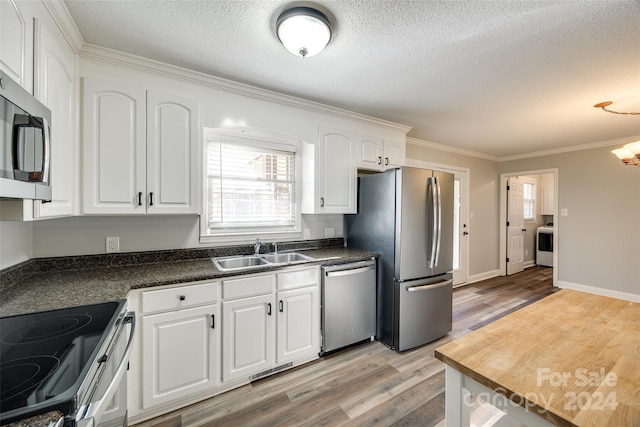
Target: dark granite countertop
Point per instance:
(43, 420)
(51, 289)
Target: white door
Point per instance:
(16, 41)
(114, 146)
(172, 154)
(298, 323)
(394, 154)
(55, 81)
(515, 226)
(337, 174)
(180, 353)
(461, 228)
(369, 152)
(248, 336)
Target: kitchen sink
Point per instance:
(246, 262)
(238, 262)
(285, 257)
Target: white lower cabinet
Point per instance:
(248, 336)
(298, 323)
(201, 339)
(180, 353)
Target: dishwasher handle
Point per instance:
(349, 271)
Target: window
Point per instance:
(529, 200)
(250, 187)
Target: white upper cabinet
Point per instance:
(55, 83)
(172, 154)
(140, 151)
(547, 194)
(16, 41)
(378, 154)
(334, 173)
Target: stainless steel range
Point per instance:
(71, 360)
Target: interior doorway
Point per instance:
(528, 203)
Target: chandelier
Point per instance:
(605, 104)
(629, 153)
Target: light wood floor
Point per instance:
(367, 384)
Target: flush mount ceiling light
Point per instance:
(629, 153)
(304, 31)
(605, 104)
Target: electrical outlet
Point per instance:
(306, 234)
(329, 232)
(526, 252)
(564, 212)
(113, 244)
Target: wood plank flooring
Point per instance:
(368, 384)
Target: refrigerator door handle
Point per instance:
(439, 219)
(430, 286)
(433, 225)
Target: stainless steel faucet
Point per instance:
(256, 247)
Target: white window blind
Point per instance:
(249, 187)
(529, 200)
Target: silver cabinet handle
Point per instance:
(379, 160)
(430, 286)
(322, 202)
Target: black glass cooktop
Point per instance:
(45, 355)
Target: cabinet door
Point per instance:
(114, 148)
(55, 64)
(16, 41)
(298, 332)
(369, 152)
(394, 154)
(336, 172)
(179, 353)
(172, 154)
(248, 336)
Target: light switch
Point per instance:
(564, 212)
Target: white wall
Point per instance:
(15, 242)
(598, 241)
(86, 235)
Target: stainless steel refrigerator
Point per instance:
(406, 216)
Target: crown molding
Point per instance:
(135, 62)
(570, 149)
(450, 149)
(63, 19)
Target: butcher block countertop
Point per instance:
(573, 358)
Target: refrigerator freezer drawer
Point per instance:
(425, 311)
(348, 304)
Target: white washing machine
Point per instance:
(544, 246)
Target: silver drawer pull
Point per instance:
(430, 286)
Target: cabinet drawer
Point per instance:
(177, 298)
(298, 278)
(247, 286)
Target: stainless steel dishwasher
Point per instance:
(348, 304)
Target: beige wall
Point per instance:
(15, 242)
(599, 239)
(483, 203)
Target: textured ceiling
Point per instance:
(498, 77)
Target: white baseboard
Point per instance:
(599, 291)
(530, 263)
(483, 276)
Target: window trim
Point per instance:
(256, 138)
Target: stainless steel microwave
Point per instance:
(25, 143)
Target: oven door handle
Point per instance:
(95, 410)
